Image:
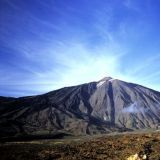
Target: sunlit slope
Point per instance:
(97, 107)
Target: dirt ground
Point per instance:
(104, 147)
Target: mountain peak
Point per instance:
(105, 79)
(97, 107)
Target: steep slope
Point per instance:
(126, 104)
(97, 107)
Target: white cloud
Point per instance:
(135, 107)
(85, 65)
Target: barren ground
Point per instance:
(109, 147)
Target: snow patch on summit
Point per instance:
(111, 80)
(100, 83)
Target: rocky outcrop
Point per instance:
(137, 157)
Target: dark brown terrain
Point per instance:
(104, 147)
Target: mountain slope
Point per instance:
(97, 107)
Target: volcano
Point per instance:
(105, 106)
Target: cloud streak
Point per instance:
(135, 107)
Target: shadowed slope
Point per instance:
(97, 107)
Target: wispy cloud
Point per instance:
(11, 4)
(67, 44)
(136, 107)
(84, 65)
(132, 4)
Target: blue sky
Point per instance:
(49, 44)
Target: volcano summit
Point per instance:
(97, 107)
